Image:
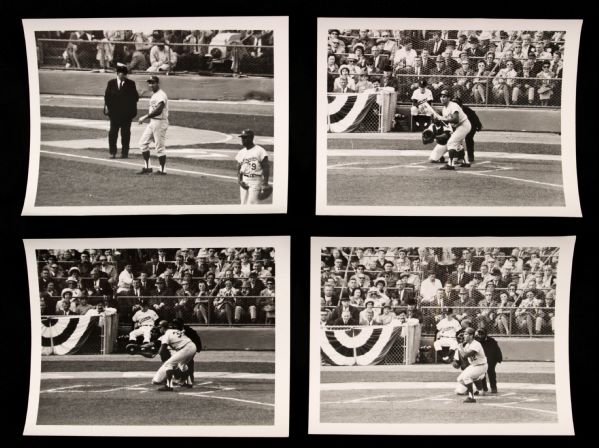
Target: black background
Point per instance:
(300, 221)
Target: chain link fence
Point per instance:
(226, 54)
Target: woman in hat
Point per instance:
(344, 73)
(546, 84)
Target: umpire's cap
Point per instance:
(153, 80)
(247, 133)
(121, 68)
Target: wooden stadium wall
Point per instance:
(184, 87)
(520, 349)
(237, 338)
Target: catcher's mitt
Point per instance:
(428, 136)
(265, 192)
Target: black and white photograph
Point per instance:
(157, 337)
(157, 115)
(452, 117)
(440, 336)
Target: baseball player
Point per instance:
(143, 321)
(182, 350)
(253, 170)
(156, 129)
(447, 329)
(453, 115)
(187, 378)
(474, 353)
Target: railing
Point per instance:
(541, 91)
(497, 321)
(233, 58)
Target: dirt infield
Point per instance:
(226, 392)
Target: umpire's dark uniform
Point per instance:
(494, 356)
(476, 126)
(120, 100)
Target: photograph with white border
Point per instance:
(177, 337)
(447, 117)
(157, 115)
(440, 335)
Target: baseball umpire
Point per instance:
(156, 129)
(253, 170)
(494, 357)
(476, 127)
(120, 104)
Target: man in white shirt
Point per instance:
(474, 353)
(429, 287)
(253, 169)
(156, 129)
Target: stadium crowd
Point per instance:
(503, 290)
(206, 285)
(236, 51)
(479, 67)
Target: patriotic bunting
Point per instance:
(64, 335)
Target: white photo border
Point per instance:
(280, 428)
(568, 118)
(564, 426)
(280, 27)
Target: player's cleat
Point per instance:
(465, 165)
(441, 160)
(112, 156)
(448, 167)
(469, 400)
(160, 173)
(145, 171)
(165, 388)
(124, 156)
(186, 385)
(476, 392)
(494, 391)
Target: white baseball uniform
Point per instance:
(251, 168)
(461, 130)
(447, 331)
(146, 320)
(156, 129)
(418, 95)
(182, 351)
(478, 364)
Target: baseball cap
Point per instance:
(247, 133)
(153, 80)
(423, 83)
(444, 92)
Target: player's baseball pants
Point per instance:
(452, 343)
(250, 196)
(458, 137)
(437, 152)
(179, 359)
(144, 330)
(472, 373)
(155, 132)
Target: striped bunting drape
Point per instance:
(361, 346)
(346, 111)
(63, 335)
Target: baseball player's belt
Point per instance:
(252, 175)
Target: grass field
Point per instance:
(507, 172)
(426, 394)
(117, 390)
(75, 170)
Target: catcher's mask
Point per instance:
(442, 139)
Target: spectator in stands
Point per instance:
(345, 306)
(363, 84)
(474, 50)
(266, 303)
(438, 79)
(66, 302)
(503, 45)
(436, 46)
(364, 40)
(546, 84)
(386, 317)
(463, 84)
(451, 64)
(71, 53)
(504, 84)
(332, 66)
(526, 317)
(404, 294)
(504, 313)
(367, 319)
(224, 302)
(388, 81)
(486, 313)
(345, 319)
(162, 58)
(344, 83)
(357, 298)
(107, 268)
(465, 307)
(406, 53)
(429, 287)
(73, 286)
(83, 307)
(185, 301)
(360, 57)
